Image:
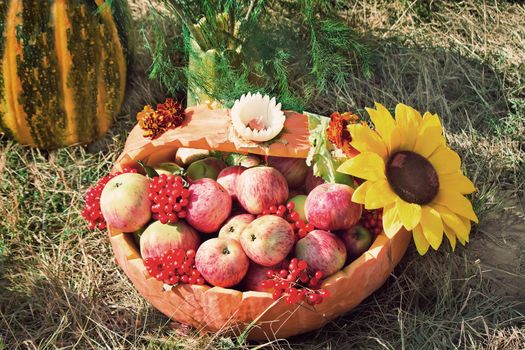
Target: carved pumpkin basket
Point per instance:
(257, 314)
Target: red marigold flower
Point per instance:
(338, 133)
(168, 115)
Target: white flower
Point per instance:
(257, 118)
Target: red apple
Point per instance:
(323, 251)
(357, 240)
(209, 205)
(205, 168)
(222, 262)
(228, 179)
(257, 274)
(312, 181)
(268, 240)
(186, 156)
(261, 187)
(293, 169)
(235, 225)
(330, 207)
(159, 238)
(299, 202)
(124, 202)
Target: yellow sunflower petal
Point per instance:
(391, 222)
(367, 165)
(456, 202)
(360, 193)
(379, 195)
(428, 140)
(457, 181)
(445, 160)
(408, 119)
(467, 224)
(431, 120)
(396, 140)
(383, 121)
(409, 213)
(420, 240)
(453, 221)
(365, 139)
(451, 236)
(432, 226)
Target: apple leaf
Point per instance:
(150, 172)
(320, 156)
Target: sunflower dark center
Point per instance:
(412, 177)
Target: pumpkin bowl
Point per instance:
(256, 314)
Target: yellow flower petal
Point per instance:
(456, 202)
(360, 193)
(432, 226)
(379, 195)
(368, 166)
(365, 139)
(445, 160)
(383, 121)
(431, 120)
(391, 222)
(396, 140)
(467, 224)
(409, 213)
(451, 236)
(428, 140)
(453, 221)
(457, 181)
(420, 240)
(408, 119)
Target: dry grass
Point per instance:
(59, 287)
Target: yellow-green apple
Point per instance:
(257, 274)
(209, 205)
(260, 187)
(222, 262)
(235, 225)
(293, 169)
(299, 202)
(168, 168)
(205, 168)
(159, 238)
(186, 156)
(323, 251)
(357, 240)
(268, 240)
(228, 178)
(124, 202)
(330, 207)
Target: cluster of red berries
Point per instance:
(174, 266)
(169, 197)
(287, 212)
(91, 211)
(296, 284)
(372, 220)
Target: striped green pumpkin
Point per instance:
(62, 69)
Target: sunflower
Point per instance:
(412, 174)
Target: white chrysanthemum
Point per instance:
(257, 118)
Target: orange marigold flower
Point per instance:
(168, 115)
(338, 133)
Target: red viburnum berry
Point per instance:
(174, 266)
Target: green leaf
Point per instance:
(320, 156)
(150, 172)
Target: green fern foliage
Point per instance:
(218, 50)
